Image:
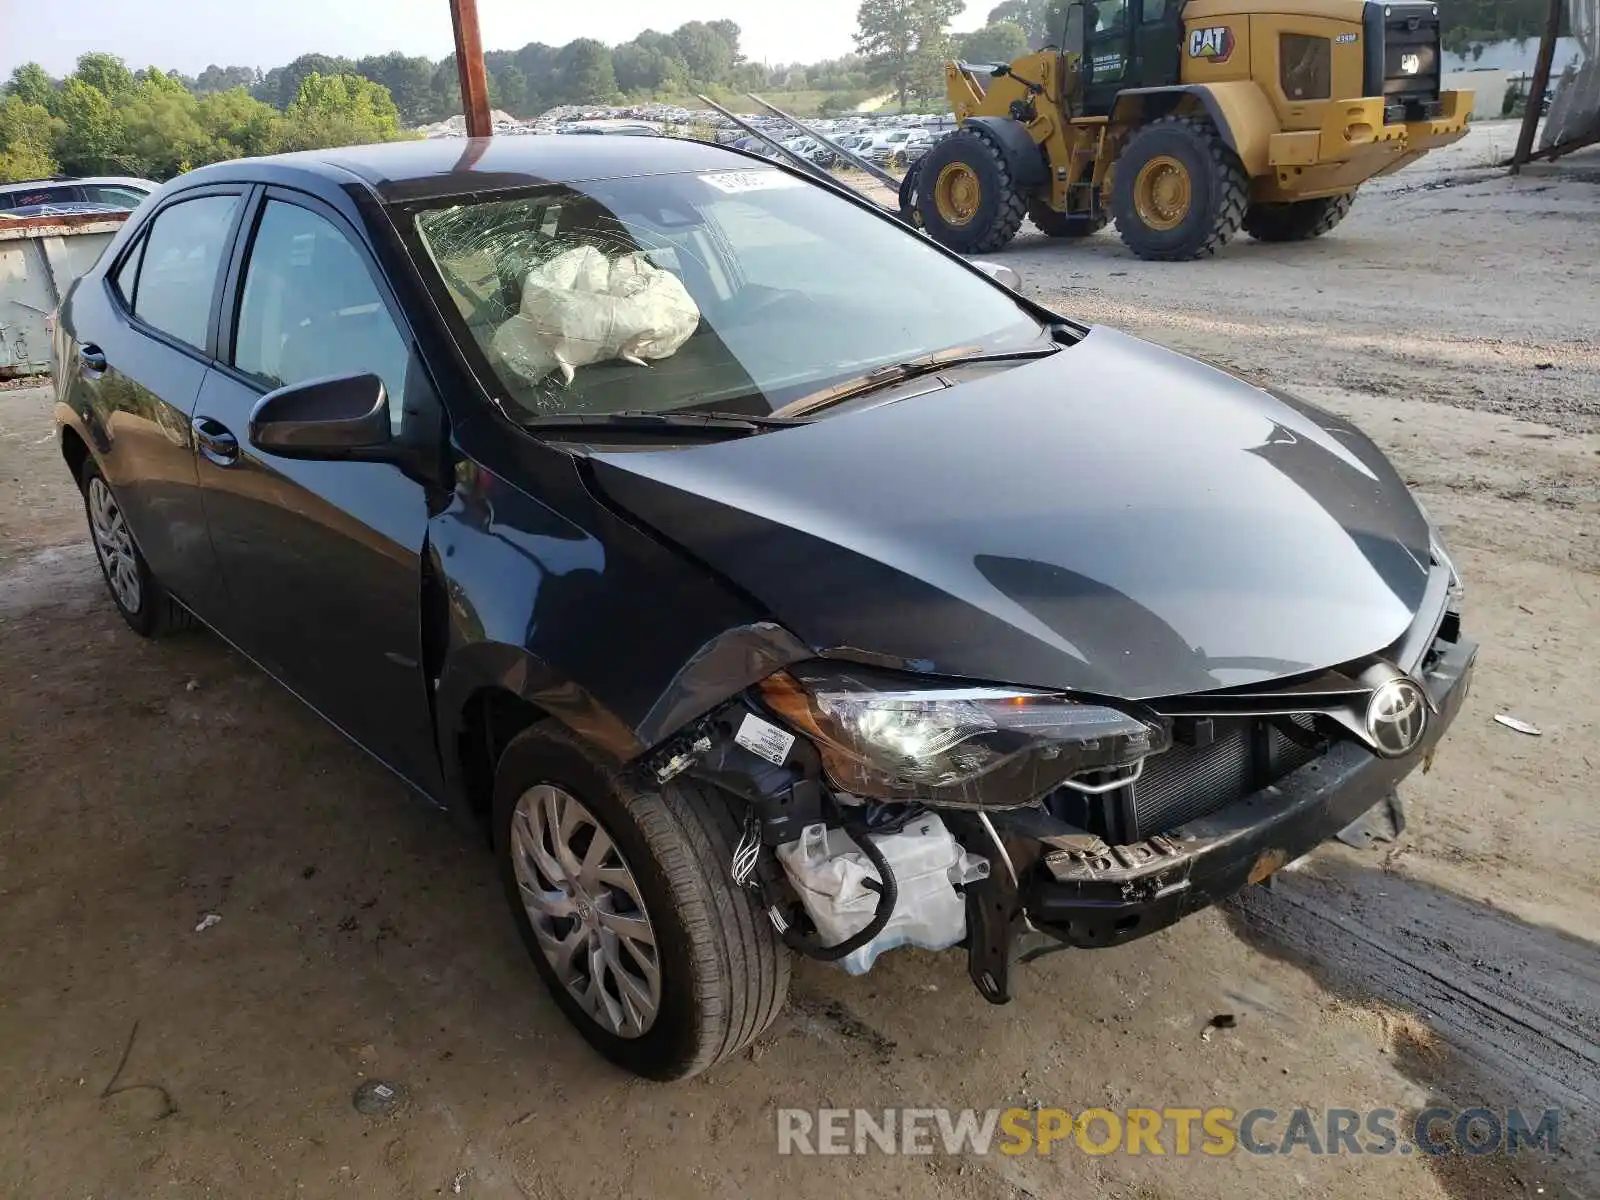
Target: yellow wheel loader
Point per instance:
(1185, 122)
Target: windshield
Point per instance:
(730, 291)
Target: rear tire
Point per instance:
(721, 971)
(966, 196)
(1297, 220)
(1179, 193)
(143, 602)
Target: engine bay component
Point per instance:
(841, 887)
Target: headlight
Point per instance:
(892, 738)
(1458, 590)
(1441, 555)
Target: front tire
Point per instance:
(623, 899)
(143, 602)
(966, 196)
(1298, 220)
(1179, 191)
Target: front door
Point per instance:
(1107, 51)
(322, 558)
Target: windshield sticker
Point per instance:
(736, 182)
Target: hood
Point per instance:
(1115, 519)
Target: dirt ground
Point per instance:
(362, 936)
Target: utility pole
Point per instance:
(469, 67)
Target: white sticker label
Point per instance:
(735, 182)
(764, 738)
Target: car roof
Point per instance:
(400, 172)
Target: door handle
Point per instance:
(213, 439)
(92, 357)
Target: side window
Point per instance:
(1109, 15)
(120, 197)
(128, 273)
(182, 252)
(1154, 10)
(310, 308)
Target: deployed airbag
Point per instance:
(581, 307)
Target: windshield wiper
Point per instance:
(892, 373)
(640, 421)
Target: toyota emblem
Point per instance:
(1397, 716)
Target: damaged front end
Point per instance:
(887, 810)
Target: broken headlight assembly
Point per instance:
(889, 737)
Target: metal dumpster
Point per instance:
(39, 259)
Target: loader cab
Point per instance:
(1124, 44)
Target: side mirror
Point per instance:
(342, 416)
(1005, 276)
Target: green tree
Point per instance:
(643, 68)
(31, 84)
(508, 89)
(706, 50)
(905, 43)
(409, 80)
(585, 72)
(445, 91)
(998, 43)
(340, 110)
(92, 141)
(161, 131)
(106, 73)
(239, 125)
(27, 135)
(291, 75)
(225, 79)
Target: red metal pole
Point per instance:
(469, 67)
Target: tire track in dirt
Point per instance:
(1517, 998)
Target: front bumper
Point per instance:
(1130, 891)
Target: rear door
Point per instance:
(1157, 45)
(322, 558)
(144, 337)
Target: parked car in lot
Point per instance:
(107, 191)
(765, 578)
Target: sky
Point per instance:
(188, 35)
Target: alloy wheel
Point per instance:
(114, 546)
(586, 910)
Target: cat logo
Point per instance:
(1410, 64)
(1214, 43)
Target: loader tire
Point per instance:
(1065, 225)
(909, 212)
(966, 195)
(1297, 220)
(1179, 192)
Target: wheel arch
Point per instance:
(489, 692)
(75, 450)
(1239, 110)
(1023, 156)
